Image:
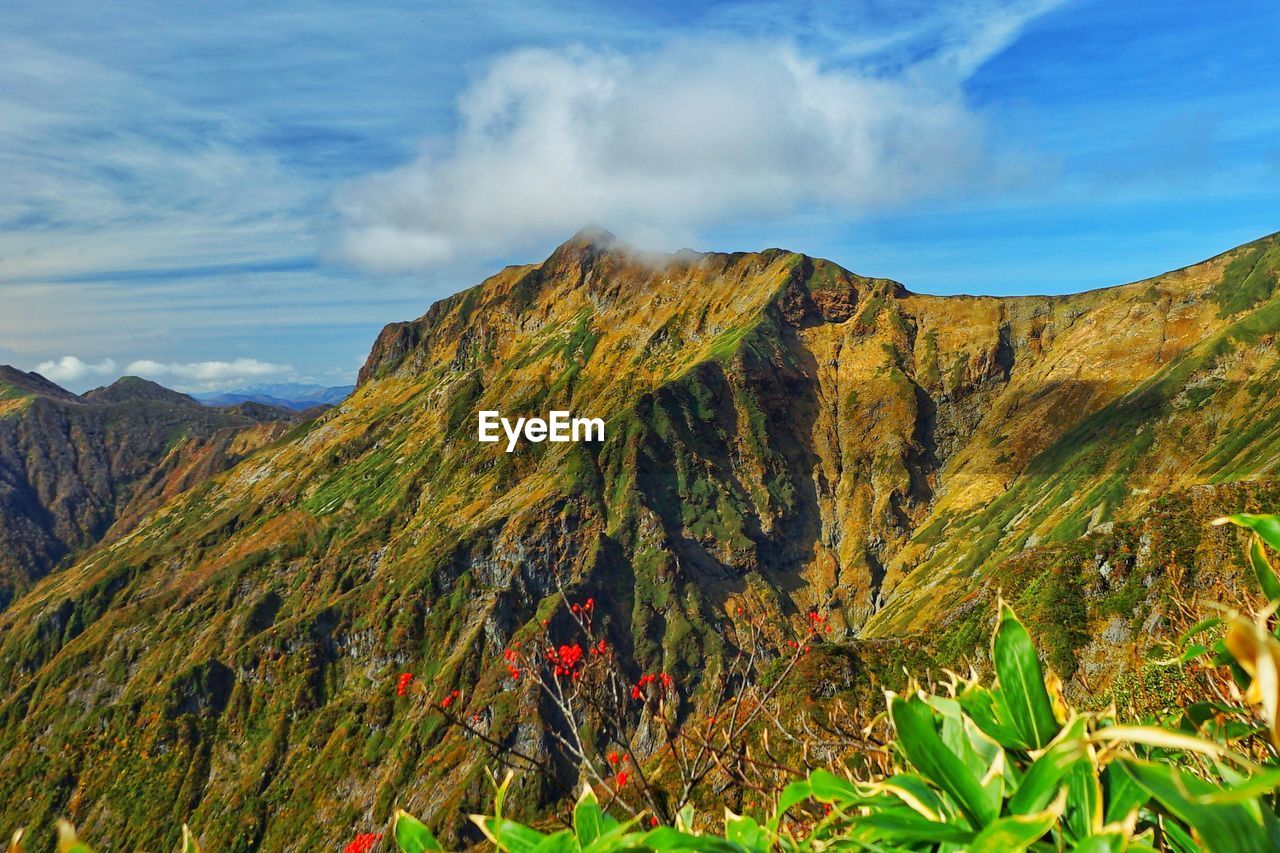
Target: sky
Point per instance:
(222, 195)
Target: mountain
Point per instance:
(781, 434)
(284, 395)
(77, 469)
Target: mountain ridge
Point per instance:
(782, 435)
(77, 469)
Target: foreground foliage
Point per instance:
(999, 767)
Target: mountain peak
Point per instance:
(14, 382)
(591, 236)
(136, 388)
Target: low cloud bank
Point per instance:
(188, 376)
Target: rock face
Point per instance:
(781, 433)
(76, 469)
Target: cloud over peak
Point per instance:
(661, 145)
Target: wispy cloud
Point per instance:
(660, 145)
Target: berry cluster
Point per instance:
(818, 623)
(402, 686)
(567, 660)
(363, 843)
(665, 684)
(512, 658)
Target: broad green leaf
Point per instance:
(907, 826)
(1236, 827)
(982, 707)
(1083, 814)
(1017, 832)
(915, 793)
(1247, 788)
(1179, 839)
(919, 741)
(795, 793)
(1044, 778)
(1114, 841)
(412, 835)
(613, 836)
(828, 787)
(558, 842)
(1021, 680)
(745, 832)
(189, 844)
(588, 818)
(508, 835)
(1263, 571)
(684, 818)
(1267, 527)
(1124, 795)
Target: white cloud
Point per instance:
(71, 369)
(194, 376)
(659, 146)
(209, 374)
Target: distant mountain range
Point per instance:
(78, 469)
(285, 395)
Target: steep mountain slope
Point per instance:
(780, 433)
(74, 469)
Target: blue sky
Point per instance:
(217, 195)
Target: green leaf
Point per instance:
(1179, 839)
(919, 741)
(1267, 527)
(412, 835)
(1123, 794)
(1021, 680)
(828, 787)
(792, 795)
(1221, 826)
(1043, 779)
(1263, 570)
(509, 835)
(669, 838)
(588, 818)
(907, 826)
(1113, 841)
(744, 831)
(984, 708)
(1017, 832)
(558, 842)
(916, 794)
(1084, 800)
